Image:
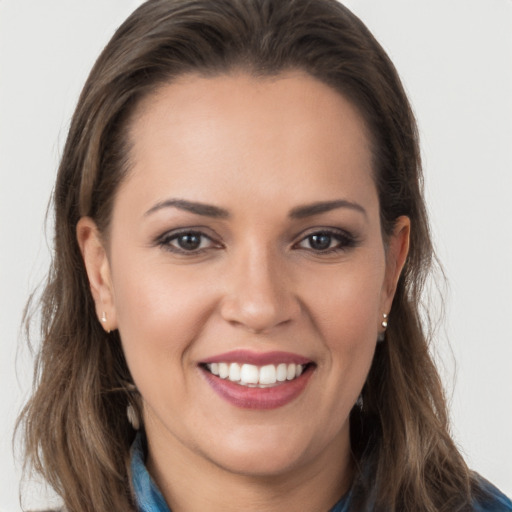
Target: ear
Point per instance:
(97, 267)
(396, 254)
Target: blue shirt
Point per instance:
(150, 499)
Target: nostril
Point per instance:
(259, 296)
(257, 316)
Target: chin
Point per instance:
(260, 452)
(255, 464)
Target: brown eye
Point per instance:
(189, 241)
(320, 241)
(186, 242)
(328, 241)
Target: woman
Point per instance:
(231, 319)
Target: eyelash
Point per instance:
(165, 241)
(344, 239)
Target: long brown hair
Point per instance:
(75, 427)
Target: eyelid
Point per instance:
(164, 240)
(347, 239)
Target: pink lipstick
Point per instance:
(254, 380)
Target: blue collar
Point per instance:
(150, 499)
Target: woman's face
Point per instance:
(246, 241)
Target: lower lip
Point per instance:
(258, 398)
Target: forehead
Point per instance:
(204, 135)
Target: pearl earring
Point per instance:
(133, 417)
(384, 324)
(103, 319)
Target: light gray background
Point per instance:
(455, 58)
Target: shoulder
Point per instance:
(492, 499)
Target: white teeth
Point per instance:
(268, 374)
(223, 370)
(234, 372)
(252, 375)
(249, 374)
(282, 371)
(290, 372)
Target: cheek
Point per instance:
(151, 295)
(159, 314)
(345, 303)
(345, 309)
(158, 323)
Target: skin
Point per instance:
(259, 149)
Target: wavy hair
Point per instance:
(75, 429)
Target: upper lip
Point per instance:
(257, 358)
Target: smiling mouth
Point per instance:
(250, 375)
(258, 381)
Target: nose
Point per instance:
(260, 294)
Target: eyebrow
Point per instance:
(206, 210)
(301, 212)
